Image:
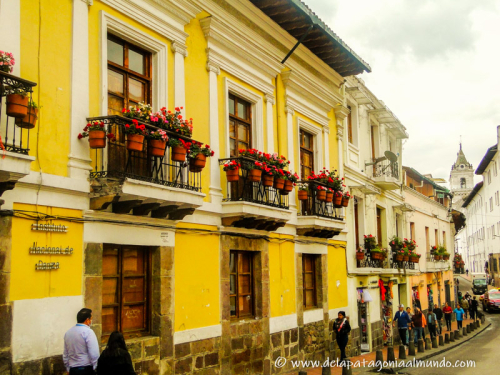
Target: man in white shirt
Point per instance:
(81, 349)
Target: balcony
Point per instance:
(252, 205)
(434, 264)
(388, 261)
(386, 175)
(15, 161)
(137, 182)
(318, 218)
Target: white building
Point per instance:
(480, 239)
(461, 179)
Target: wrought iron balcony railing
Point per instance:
(386, 169)
(312, 206)
(15, 138)
(116, 161)
(248, 191)
(388, 260)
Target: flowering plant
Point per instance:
(279, 162)
(231, 166)
(177, 142)
(370, 240)
(268, 170)
(303, 187)
(197, 148)
(278, 172)
(95, 125)
(359, 249)
(7, 62)
(321, 188)
(415, 255)
(337, 193)
(135, 128)
(294, 177)
(250, 153)
(177, 123)
(159, 134)
(410, 244)
(141, 111)
(347, 195)
(256, 165)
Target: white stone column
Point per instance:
(341, 113)
(270, 123)
(326, 141)
(79, 160)
(180, 52)
(215, 190)
(291, 152)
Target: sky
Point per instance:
(435, 64)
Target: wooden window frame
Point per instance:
(314, 258)
(128, 73)
(379, 217)
(240, 121)
(310, 151)
(147, 291)
(238, 316)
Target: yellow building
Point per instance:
(196, 271)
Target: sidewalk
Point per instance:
(371, 356)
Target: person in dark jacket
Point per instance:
(418, 327)
(439, 317)
(473, 308)
(115, 359)
(342, 329)
(403, 320)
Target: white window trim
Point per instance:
(317, 133)
(158, 49)
(256, 101)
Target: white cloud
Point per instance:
(435, 64)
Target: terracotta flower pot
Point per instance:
(360, 256)
(446, 257)
(345, 201)
(97, 139)
(437, 257)
(376, 255)
(232, 175)
(279, 183)
(337, 200)
(267, 180)
(287, 188)
(178, 153)
(329, 196)
(406, 258)
(197, 163)
(157, 147)
(135, 142)
(302, 195)
(414, 259)
(398, 258)
(254, 175)
(321, 195)
(17, 105)
(28, 121)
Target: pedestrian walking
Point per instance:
(431, 322)
(467, 272)
(465, 306)
(81, 349)
(403, 320)
(447, 310)
(409, 331)
(473, 308)
(439, 317)
(342, 329)
(418, 325)
(115, 359)
(460, 316)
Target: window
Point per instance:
(240, 125)
(489, 176)
(436, 238)
(125, 290)
(349, 124)
(463, 183)
(491, 204)
(241, 296)
(427, 241)
(379, 226)
(306, 154)
(412, 231)
(309, 280)
(129, 75)
(356, 221)
(494, 168)
(444, 238)
(497, 198)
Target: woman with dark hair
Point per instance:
(115, 359)
(342, 329)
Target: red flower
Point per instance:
(206, 146)
(80, 136)
(135, 121)
(127, 126)
(101, 125)
(212, 153)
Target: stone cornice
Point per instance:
(179, 48)
(270, 98)
(421, 196)
(88, 2)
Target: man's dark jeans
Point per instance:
(87, 370)
(402, 335)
